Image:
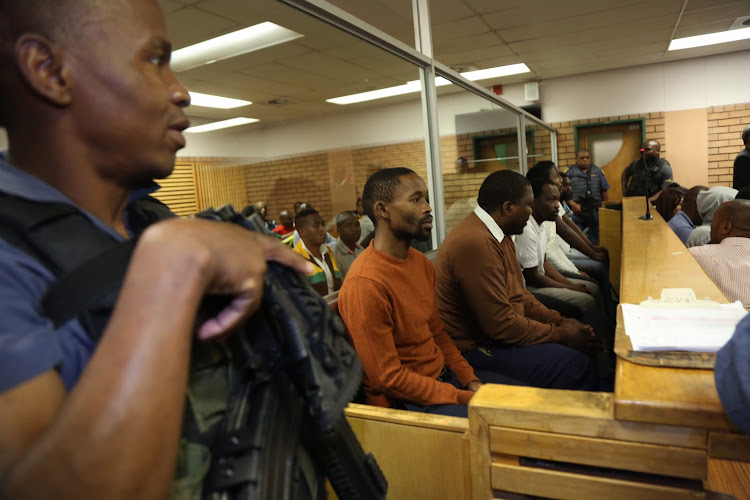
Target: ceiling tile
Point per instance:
(720, 13)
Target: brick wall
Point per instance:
(307, 178)
(566, 148)
(281, 183)
(460, 189)
(725, 124)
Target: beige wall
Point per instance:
(686, 132)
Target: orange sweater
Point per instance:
(389, 308)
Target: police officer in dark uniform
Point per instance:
(589, 188)
(647, 180)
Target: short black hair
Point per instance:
(380, 187)
(499, 187)
(248, 210)
(540, 170)
(537, 186)
(303, 214)
(345, 215)
(743, 194)
(54, 19)
(746, 135)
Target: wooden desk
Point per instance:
(653, 257)
(662, 421)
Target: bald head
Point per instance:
(731, 219)
(651, 150)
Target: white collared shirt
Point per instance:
(322, 264)
(490, 223)
(531, 245)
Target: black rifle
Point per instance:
(288, 376)
(297, 333)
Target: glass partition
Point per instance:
(316, 129)
(304, 147)
(538, 144)
(393, 17)
(477, 137)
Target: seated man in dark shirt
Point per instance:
(492, 318)
(741, 170)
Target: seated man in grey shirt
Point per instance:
(346, 248)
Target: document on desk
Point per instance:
(704, 329)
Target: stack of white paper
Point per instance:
(680, 328)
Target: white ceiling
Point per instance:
(554, 38)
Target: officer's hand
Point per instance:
(231, 261)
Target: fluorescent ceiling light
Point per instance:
(483, 74)
(208, 127)
(415, 86)
(215, 101)
(240, 42)
(406, 88)
(709, 39)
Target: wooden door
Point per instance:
(613, 147)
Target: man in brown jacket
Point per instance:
(496, 323)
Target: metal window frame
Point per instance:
(421, 56)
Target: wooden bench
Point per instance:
(421, 455)
(568, 445)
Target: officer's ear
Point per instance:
(42, 64)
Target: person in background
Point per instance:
(367, 227)
(687, 218)
(590, 187)
(558, 258)
(587, 257)
(326, 277)
(707, 202)
(727, 260)
(346, 248)
(541, 277)
(669, 202)
(743, 194)
(260, 209)
(247, 211)
(305, 206)
(741, 171)
(639, 179)
(287, 225)
(495, 322)
(388, 305)
(732, 376)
